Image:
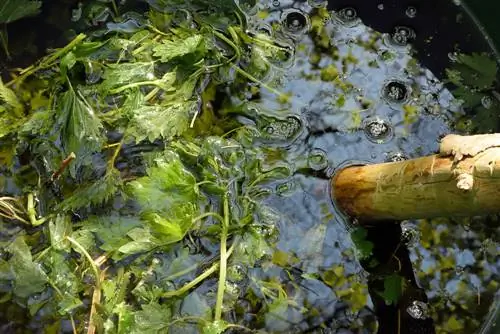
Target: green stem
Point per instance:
(94, 267)
(193, 283)
(32, 212)
(4, 39)
(48, 61)
(223, 261)
(136, 84)
(115, 8)
(208, 214)
(254, 79)
(180, 273)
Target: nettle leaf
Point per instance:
(153, 318)
(120, 74)
(112, 231)
(161, 121)
(29, 276)
(98, 192)
(168, 183)
(80, 129)
(169, 50)
(13, 10)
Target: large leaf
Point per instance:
(80, 129)
(12, 10)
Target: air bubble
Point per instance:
(487, 101)
(377, 130)
(411, 12)
(418, 310)
(396, 157)
(317, 3)
(409, 234)
(395, 91)
(348, 16)
(295, 22)
(317, 159)
(402, 36)
(248, 5)
(276, 3)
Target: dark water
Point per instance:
(394, 55)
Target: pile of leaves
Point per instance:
(140, 185)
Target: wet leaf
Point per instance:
(169, 50)
(152, 318)
(13, 10)
(29, 276)
(393, 289)
(161, 121)
(80, 129)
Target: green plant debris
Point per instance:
(127, 168)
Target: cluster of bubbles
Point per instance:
(418, 310)
(377, 130)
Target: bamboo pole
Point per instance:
(462, 180)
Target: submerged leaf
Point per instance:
(29, 276)
(13, 10)
(96, 193)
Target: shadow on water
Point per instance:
(365, 84)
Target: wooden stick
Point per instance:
(463, 180)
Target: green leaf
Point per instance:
(96, 193)
(393, 289)
(80, 129)
(168, 183)
(161, 121)
(121, 74)
(29, 276)
(59, 229)
(477, 70)
(364, 247)
(112, 231)
(169, 50)
(153, 318)
(8, 96)
(12, 10)
(215, 327)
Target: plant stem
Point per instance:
(193, 283)
(4, 40)
(223, 261)
(48, 61)
(254, 79)
(94, 267)
(32, 212)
